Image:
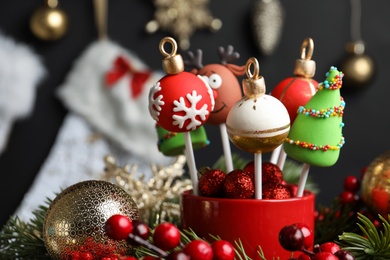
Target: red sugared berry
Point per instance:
(324, 256)
(291, 238)
(329, 247)
(166, 236)
(199, 250)
(308, 235)
(351, 183)
(250, 167)
(344, 255)
(118, 227)
(223, 250)
(178, 255)
(211, 183)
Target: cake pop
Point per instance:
(180, 101)
(257, 123)
(223, 80)
(316, 136)
(296, 91)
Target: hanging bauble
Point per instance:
(296, 91)
(358, 67)
(257, 123)
(75, 220)
(267, 23)
(180, 101)
(49, 22)
(376, 186)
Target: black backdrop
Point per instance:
(327, 22)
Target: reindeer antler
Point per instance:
(227, 56)
(195, 59)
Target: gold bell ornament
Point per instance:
(48, 22)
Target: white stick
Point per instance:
(226, 148)
(275, 154)
(302, 179)
(191, 162)
(282, 159)
(258, 176)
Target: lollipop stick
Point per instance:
(226, 147)
(281, 159)
(302, 179)
(191, 162)
(258, 176)
(275, 154)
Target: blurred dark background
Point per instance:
(326, 22)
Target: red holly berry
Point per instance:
(211, 183)
(329, 247)
(304, 256)
(223, 250)
(344, 255)
(347, 197)
(178, 255)
(324, 256)
(351, 183)
(118, 227)
(308, 235)
(140, 229)
(291, 238)
(166, 236)
(199, 250)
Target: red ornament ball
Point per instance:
(277, 191)
(181, 102)
(211, 183)
(294, 92)
(238, 184)
(166, 236)
(118, 227)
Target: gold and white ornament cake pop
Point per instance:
(257, 123)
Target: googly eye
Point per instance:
(215, 81)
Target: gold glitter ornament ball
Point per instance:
(376, 185)
(76, 218)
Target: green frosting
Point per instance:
(316, 136)
(173, 144)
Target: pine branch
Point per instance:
(21, 240)
(372, 244)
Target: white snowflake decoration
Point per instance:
(155, 104)
(190, 112)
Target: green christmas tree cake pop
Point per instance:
(316, 136)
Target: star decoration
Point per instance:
(182, 18)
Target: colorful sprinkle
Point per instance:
(315, 147)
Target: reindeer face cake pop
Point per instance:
(180, 101)
(258, 122)
(222, 78)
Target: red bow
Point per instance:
(120, 68)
